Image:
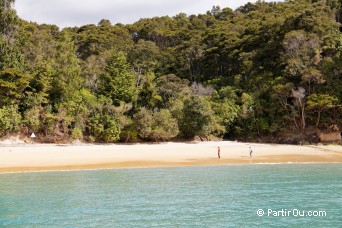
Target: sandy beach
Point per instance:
(47, 157)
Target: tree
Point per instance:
(224, 105)
(312, 77)
(197, 118)
(170, 87)
(157, 125)
(165, 127)
(103, 122)
(10, 119)
(41, 83)
(118, 82)
(299, 96)
(92, 68)
(147, 93)
(144, 122)
(111, 131)
(95, 40)
(301, 49)
(12, 85)
(10, 56)
(66, 78)
(79, 107)
(144, 58)
(105, 128)
(321, 102)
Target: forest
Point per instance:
(265, 72)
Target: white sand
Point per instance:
(38, 157)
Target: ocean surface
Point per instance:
(264, 195)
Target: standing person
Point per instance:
(250, 151)
(219, 152)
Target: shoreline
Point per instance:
(22, 158)
(75, 169)
(23, 170)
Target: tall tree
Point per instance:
(67, 78)
(10, 56)
(12, 85)
(118, 82)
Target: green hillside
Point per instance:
(266, 72)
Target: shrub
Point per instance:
(76, 134)
(104, 128)
(10, 119)
(157, 125)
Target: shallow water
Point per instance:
(207, 196)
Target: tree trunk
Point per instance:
(318, 118)
(303, 116)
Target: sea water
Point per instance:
(278, 195)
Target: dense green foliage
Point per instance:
(265, 70)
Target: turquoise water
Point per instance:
(207, 196)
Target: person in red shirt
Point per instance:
(219, 152)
